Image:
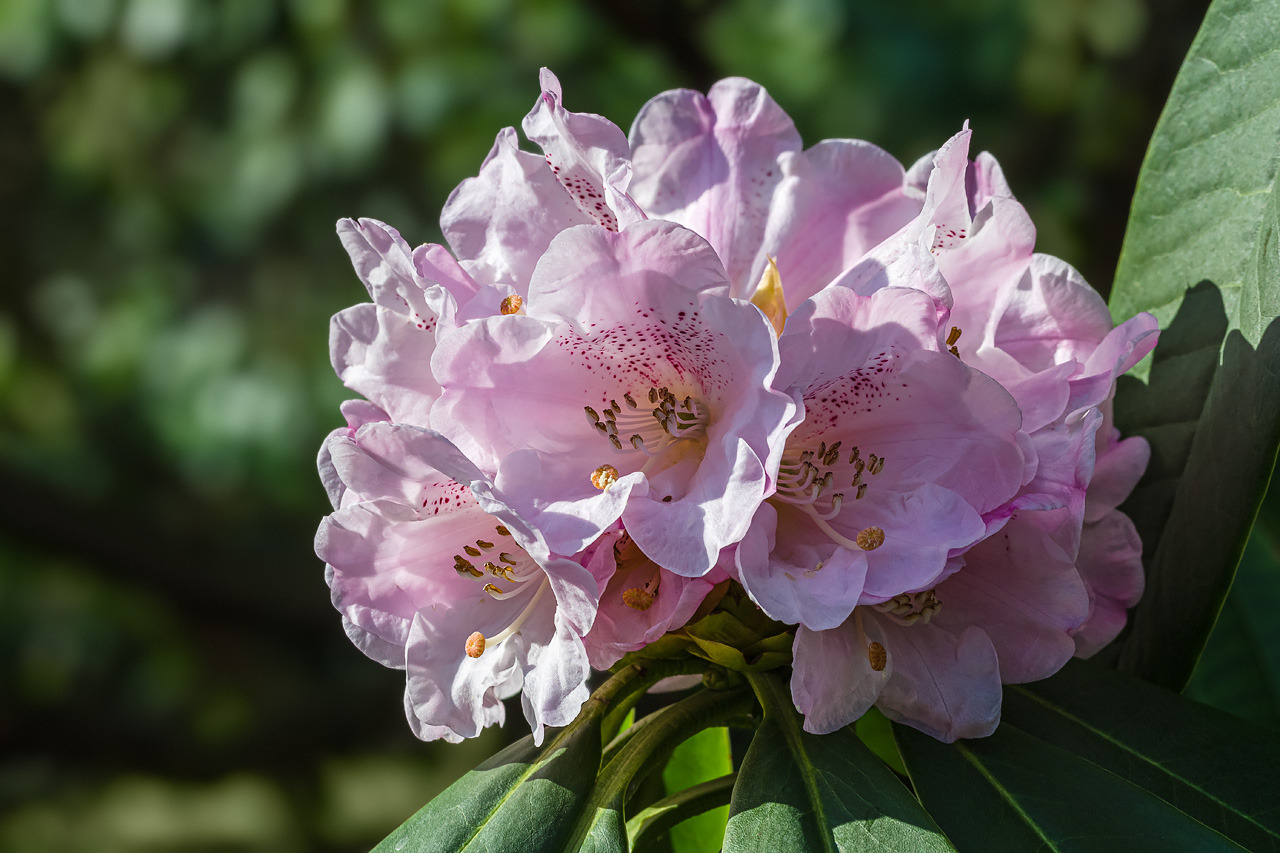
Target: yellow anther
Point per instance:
(502, 531)
(954, 336)
(604, 477)
(870, 538)
(512, 304)
(877, 656)
(637, 598)
(475, 645)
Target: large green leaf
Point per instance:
(1093, 759)
(1201, 254)
(810, 794)
(524, 798)
(1240, 668)
(1013, 791)
(702, 758)
(1216, 768)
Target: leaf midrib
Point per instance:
(1142, 757)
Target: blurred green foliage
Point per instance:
(173, 677)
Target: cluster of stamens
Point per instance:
(513, 568)
(805, 479)
(649, 429)
(911, 607)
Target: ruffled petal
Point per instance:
(835, 202)
(945, 685)
(710, 164)
(587, 154)
(832, 681)
(501, 221)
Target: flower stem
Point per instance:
(655, 737)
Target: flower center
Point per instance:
(911, 607)
(632, 564)
(812, 479)
(508, 564)
(652, 428)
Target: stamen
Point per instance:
(877, 656)
(472, 551)
(465, 567)
(870, 538)
(502, 530)
(911, 607)
(512, 304)
(475, 645)
(604, 477)
(953, 336)
(483, 544)
(637, 599)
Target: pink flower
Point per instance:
(1043, 584)
(902, 452)
(630, 387)
(916, 467)
(435, 575)
(639, 600)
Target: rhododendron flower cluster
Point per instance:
(648, 366)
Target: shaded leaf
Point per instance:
(802, 792)
(1201, 254)
(702, 758)
(1214, 767)
(671, 812)
(1013, 791)
(600, 827)
(1239, 671)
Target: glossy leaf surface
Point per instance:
(810, 793)
(1201, 254)
(1013, 791)
(524, 798)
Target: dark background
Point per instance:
(172, 676)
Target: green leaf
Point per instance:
(600, 827)
(1214, 767)
(524, 798)
(702, 758)
(1013, 791)
(809, 793)
(1093, 759)
(1240, 668)
(1201, 254)
(656, 820)
(876, 732)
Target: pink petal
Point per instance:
(710, 164)
(587, 154)
(836, 201)
(945, 685)
(832, 682)
(500, 222)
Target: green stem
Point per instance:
(650, 824)
(621, 692)
(660, 733)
